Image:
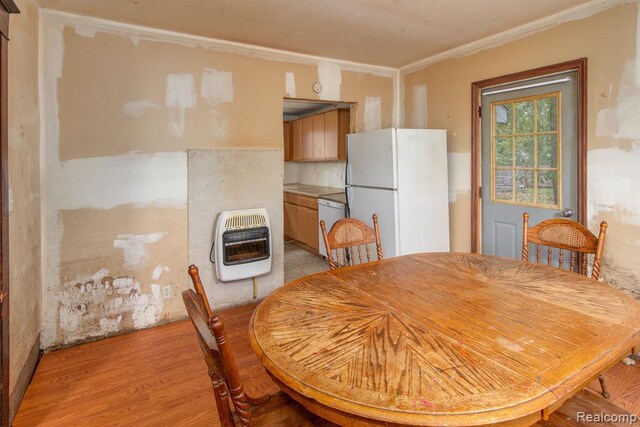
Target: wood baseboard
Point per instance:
(24, 379)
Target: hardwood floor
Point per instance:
(158, 377)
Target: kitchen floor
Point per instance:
(298, 262)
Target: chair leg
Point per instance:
(603, 385)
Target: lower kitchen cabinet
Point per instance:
(301, 219)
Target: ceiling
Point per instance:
(391, 33)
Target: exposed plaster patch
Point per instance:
(290, 85)
(372, 113)
(459, 165)
(100, 305)
(637, 80)
(628, 109)
(136, 108)
(614, 184)
(86, 31)
(419, 107)
(219, 125)
(330, 77)
(53, 46)
(106, 182)
(180, 95)
(157, 272)
(216, 86)
(135, 250)
(623, 121)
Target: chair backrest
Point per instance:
(565, 235)
(348, 237)
(197, 285)
(221, 364)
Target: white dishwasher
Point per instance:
(329, 212)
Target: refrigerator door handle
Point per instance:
(348, 174)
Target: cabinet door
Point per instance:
(296, 137)
(307, 138)
(344, 127)
(287, 136)
(318, 137)
(311, 227)
(331, 135)
(295, 222)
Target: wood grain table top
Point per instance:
(441, 339)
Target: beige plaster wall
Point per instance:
(609, 41)
(24, 183)
(121, 107)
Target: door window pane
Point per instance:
(548, 151)
(503, 119)
(524, 117)
(524, 186)
(504, 184)
(504, 155)
(547, 188)
(524, 151)
(525, 159)
(547, 114)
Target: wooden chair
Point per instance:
(350, 235)
(270, 410)
(567, 235)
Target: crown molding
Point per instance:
(579, 12)
(88, 25)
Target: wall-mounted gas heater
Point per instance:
(242, 244)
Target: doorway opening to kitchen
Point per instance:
(315, 154)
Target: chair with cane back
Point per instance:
(566, 235)
(351, 238)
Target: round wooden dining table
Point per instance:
(441, 339)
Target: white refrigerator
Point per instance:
(401, 175)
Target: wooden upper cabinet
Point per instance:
(320, 137)
(296, 140)
(344, 128)
(307, 138)
(287, 131)
(331, 135)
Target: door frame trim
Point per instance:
(579, 65)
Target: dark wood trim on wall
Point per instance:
(6, 8)
(580, 65)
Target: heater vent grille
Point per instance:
(248, 220)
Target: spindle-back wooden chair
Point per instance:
(351, 236)
(277, 409)
(567, 235)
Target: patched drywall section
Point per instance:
(609, 41)
(121, 105)
(219, 181)
(24, 184)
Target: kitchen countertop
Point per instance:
(338, 197)
(315, 191)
